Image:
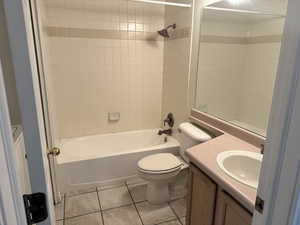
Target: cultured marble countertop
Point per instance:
(204, 156)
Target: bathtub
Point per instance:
(99, 159)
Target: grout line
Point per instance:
(103, 210)
(137, 202)
(65, 200)
(174, 212)
(112, 187)
(134, 204)
(171, 220)
(97, 189)
(73, 195)
(64, 210)
(82, 215)
(100, 207)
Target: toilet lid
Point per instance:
(159, 162)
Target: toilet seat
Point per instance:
(159, 163)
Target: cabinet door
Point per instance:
(230, 212)
(202, 196)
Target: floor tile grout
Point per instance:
(66, 218)
(108, 188)
(174, 212)
(64, 210)
(168, 221)
(99, 201)
(88, 192)
(96, 190)
(134, 204)
(117, 207)
(103, 210)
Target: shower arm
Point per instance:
(172, 25)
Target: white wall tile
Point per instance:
(91, 77)
(176, 67)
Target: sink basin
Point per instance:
(244, 166)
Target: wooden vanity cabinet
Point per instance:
(208, 204)
(202, 198)
(230, 212)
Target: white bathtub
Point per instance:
(93, 160)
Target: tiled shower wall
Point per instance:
(176, 64)
(105, 56)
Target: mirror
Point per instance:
(238, 58)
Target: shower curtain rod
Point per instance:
(164, 3)
(243, 11)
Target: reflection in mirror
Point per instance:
(239, 53)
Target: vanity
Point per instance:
(214, 197)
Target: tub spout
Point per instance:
(167, 132)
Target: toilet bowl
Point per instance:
(160, 169)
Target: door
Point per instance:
(279, 185)
(37, 9)
(18, 20)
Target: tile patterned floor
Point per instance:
(121, 205)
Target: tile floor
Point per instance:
(124, 204)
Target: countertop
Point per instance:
(204, 157)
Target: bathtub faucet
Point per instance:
(166, 131)
(169, 120)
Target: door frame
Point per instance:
(36, 19)
(279, 129)
(279, 174)
(20, 33)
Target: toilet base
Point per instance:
(158, 192)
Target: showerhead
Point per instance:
(164, 32)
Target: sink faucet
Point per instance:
(166, 131)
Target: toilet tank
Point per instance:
(189, 136)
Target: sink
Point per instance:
(244, 166)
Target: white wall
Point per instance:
(219, 69)
(8, 72)
(259, 75)
(219, 79)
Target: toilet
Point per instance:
(160, 169)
